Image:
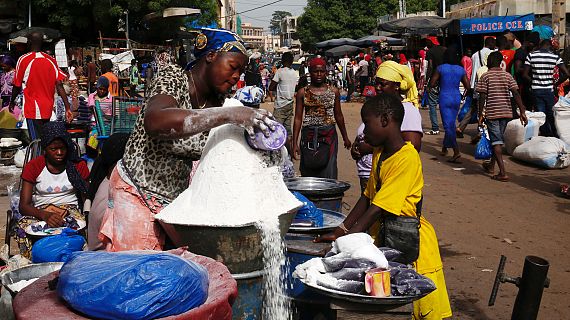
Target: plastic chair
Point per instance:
(33, 151)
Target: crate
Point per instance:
(125, 113)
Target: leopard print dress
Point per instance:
(160, 168)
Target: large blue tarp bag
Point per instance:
(308, 211)
(131, 284)
(57, 248)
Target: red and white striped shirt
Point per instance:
(37, 74)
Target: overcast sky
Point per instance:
(262, 16)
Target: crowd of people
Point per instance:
(136, 175)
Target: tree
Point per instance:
(329, 19)
(275, 23)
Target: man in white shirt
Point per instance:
(284, 83)
(362, 73)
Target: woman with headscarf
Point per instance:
(8, 65)
(53, 184)
(397, 79)
(449, 75)
(318, 111)
(170, 132)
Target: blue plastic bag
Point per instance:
(309, 211)
(131, 285)
(465, 108)
(425, 97)
(484, 151)
(57, 248)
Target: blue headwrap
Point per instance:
(218, 40)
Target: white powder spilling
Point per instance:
(18, 286)
(233, 186)
(236, 186)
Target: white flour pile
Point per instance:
(235, 186)
(18, 286)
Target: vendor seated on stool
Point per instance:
(52, 183)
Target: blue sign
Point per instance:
(496, 24)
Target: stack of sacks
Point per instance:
(343, 268)
(9, 142)
(516, 134)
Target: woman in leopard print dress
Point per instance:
(169, 134)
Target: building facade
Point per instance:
(489, 8)
(271, 42)
(253, 36)
(288, 35)
(227, 14)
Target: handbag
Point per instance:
(484, 150)
(399, 232)
(316, 149)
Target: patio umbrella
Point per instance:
(373, 40)
(416, 25)
(341, 50)
(49, 34)
(335, 43)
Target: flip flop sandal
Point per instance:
(500, 178)
(455, 159)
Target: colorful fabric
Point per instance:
(392, 71)
(219, 40)
(317, 62)
(37, 74)
(161, 167)
(113, 83)
(6, 80)
(508, 59)
(134, 76)
(249, 95)
(25, 243)
(56, 130)
(319, 107)
(128, 224)
(497, 85)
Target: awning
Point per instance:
(416, 25)
(496, 24)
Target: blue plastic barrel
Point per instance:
(249, 302)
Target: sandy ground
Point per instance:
(476, 220)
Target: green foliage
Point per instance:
(330, 19)
(275, 23)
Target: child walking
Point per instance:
(493, 88)
(395, 188)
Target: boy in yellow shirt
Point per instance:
(397, 167)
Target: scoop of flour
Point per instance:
(233, 186)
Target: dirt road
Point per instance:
(478, 219)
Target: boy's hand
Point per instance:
(480, 122)
(523, 119)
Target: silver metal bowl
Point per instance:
(239, 248)
(28, 272)
(311, 186)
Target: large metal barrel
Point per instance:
(249, 303)
(239, 248)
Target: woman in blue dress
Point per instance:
(449, 75)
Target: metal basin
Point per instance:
(28, 272)
(239, 248)
(311, 186)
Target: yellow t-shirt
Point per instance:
(402, 182)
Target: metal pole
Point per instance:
(443, 11)
(531, 285)
(30, 14)
(127, 30)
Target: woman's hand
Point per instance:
(354, 150)
(53, 219)
(347, 144)
(295, 151)
(250, 118)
